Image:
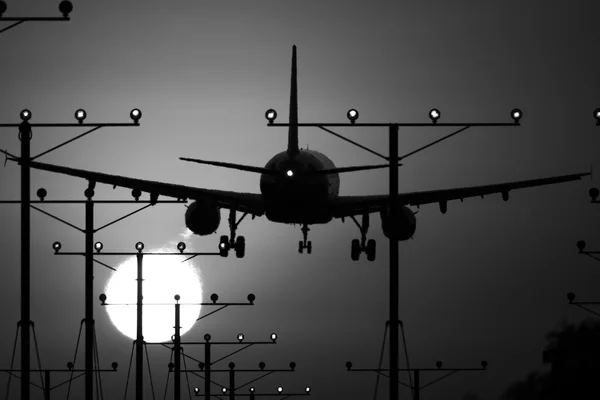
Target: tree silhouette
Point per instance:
(573, 353)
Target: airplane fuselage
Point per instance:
(294, 197)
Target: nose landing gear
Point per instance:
(362, 245)
(231, 242)
(305, 244)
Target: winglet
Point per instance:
(292, 149)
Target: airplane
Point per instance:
(297, 186)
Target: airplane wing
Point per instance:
(346, 206)
(251, 203)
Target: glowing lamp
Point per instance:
(289, 172)
(196, 390)
(279, 389)
(224, 390)
(516, 115)
(139, 246)
(65, 7)
(352, 115)
(25, 115)
(434, 115)
(597, 115)
(98, 246)
(80, 115)
(56, 246)
(135, 115)
(252, 389)
(181, 247)
(240, 337)
(270, 115)
(273, 337)
(307, 389)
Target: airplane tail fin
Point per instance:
(292, 149)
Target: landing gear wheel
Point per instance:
(240, 247)
(224, 246)
(371, 249)
(300, 247)
(309, 247)
(355, 249)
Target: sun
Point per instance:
(164, 276)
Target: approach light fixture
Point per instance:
(56, 246)
(42, 193)
(177, 297)
(597, 115)
(516, 114)
(224, 390)
(231, 365)
(570, 297)
(434, 115)
(352, 115)
(3, 7)
(181, 247)
(580, 245)
(214, 297)
(262, 365)
(594, 192)
(98, 246)
(65, 7)
(273, 337)
(240, 337)
(270, 115)
(252, 389)
(196, 390)
(102, 298)
(438, 364)
(139, 246)
(135, 115)
(136, 193)
(307, 389)
(80, 115)
(114, 365)
(290, 172)
(171, 366)
(348, 365)
(70, 365)
(292, 365)
(25, 115)
(251, 298)
(279, 389)
(207, 337)
(484, 364)
(201, 365)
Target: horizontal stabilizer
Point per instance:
(248, 168)
(350, 169)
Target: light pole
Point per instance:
(393, 205)
(65, 7)
(25, 136)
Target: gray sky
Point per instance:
(485, 281)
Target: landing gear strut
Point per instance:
(362, 245)
(304, 244)
(231, 242)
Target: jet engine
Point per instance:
(404, 226)
(203, 217)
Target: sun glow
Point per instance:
(164, 276)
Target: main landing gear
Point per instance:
(304, 244)
(231, 242)
(364, 245)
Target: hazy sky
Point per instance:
(485, 281)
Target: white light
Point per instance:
(280, 389)
(162, 277)
(290, 172)
(222, 245)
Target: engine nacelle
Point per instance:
(203, 217)
(403, 228)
